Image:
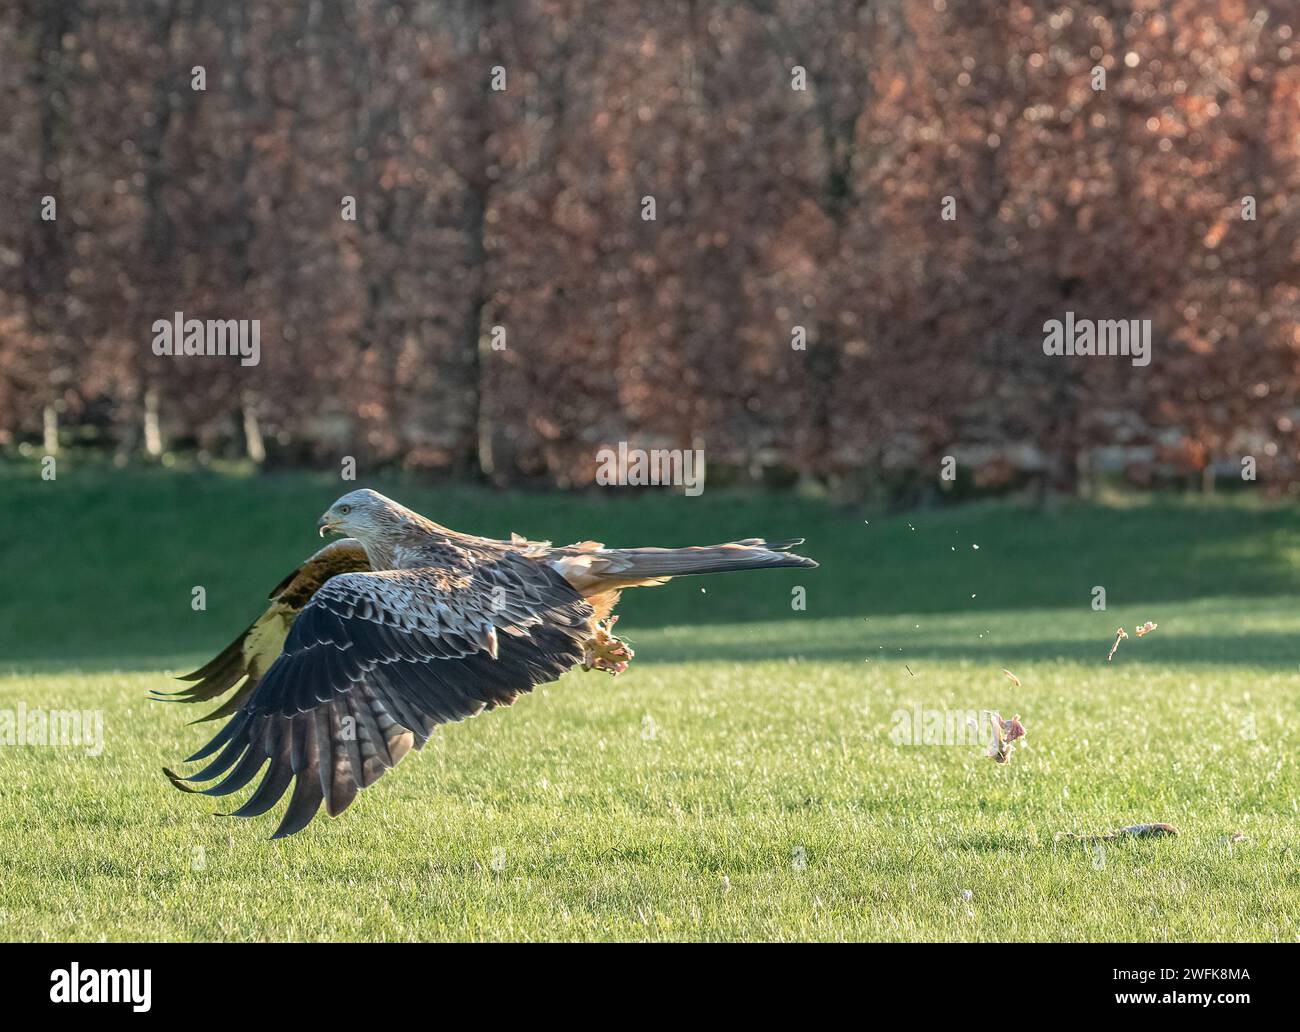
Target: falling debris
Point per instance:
(1005, 734)
(1120, 635)
(1132, 831)
(908, 669)
(1011, 677)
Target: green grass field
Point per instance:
(739, 782)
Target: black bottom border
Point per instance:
(330, 981)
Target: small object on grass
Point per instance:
(1146, 830)
(908, 669)
(1132, 831)
(1005, 734)
(1120, 635)
(1145, 629)
(1011, 677)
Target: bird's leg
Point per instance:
(603, 651)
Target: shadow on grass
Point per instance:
(1272, 650)
(144, 540)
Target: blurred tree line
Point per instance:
(799, 305)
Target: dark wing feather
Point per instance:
(375, 661)
(252, 653)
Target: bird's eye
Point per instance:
(345, 509)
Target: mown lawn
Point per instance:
(740, 781)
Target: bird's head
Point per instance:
(363, 514)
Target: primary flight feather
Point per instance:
(404, 625)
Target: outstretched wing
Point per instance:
(375, 661)
(252, 653)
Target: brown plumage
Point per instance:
(402, 626)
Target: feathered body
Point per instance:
(404, 625)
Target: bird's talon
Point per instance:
(605, 652)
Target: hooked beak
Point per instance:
(324, 526)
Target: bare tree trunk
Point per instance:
(51, 428)
(476, 341)
(160, 231)
(46, 261)
(480, 38)
(254, 445)
(153, 441)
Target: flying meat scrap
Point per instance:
(1121, 634)
(1005, 735)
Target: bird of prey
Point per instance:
(404, 625)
